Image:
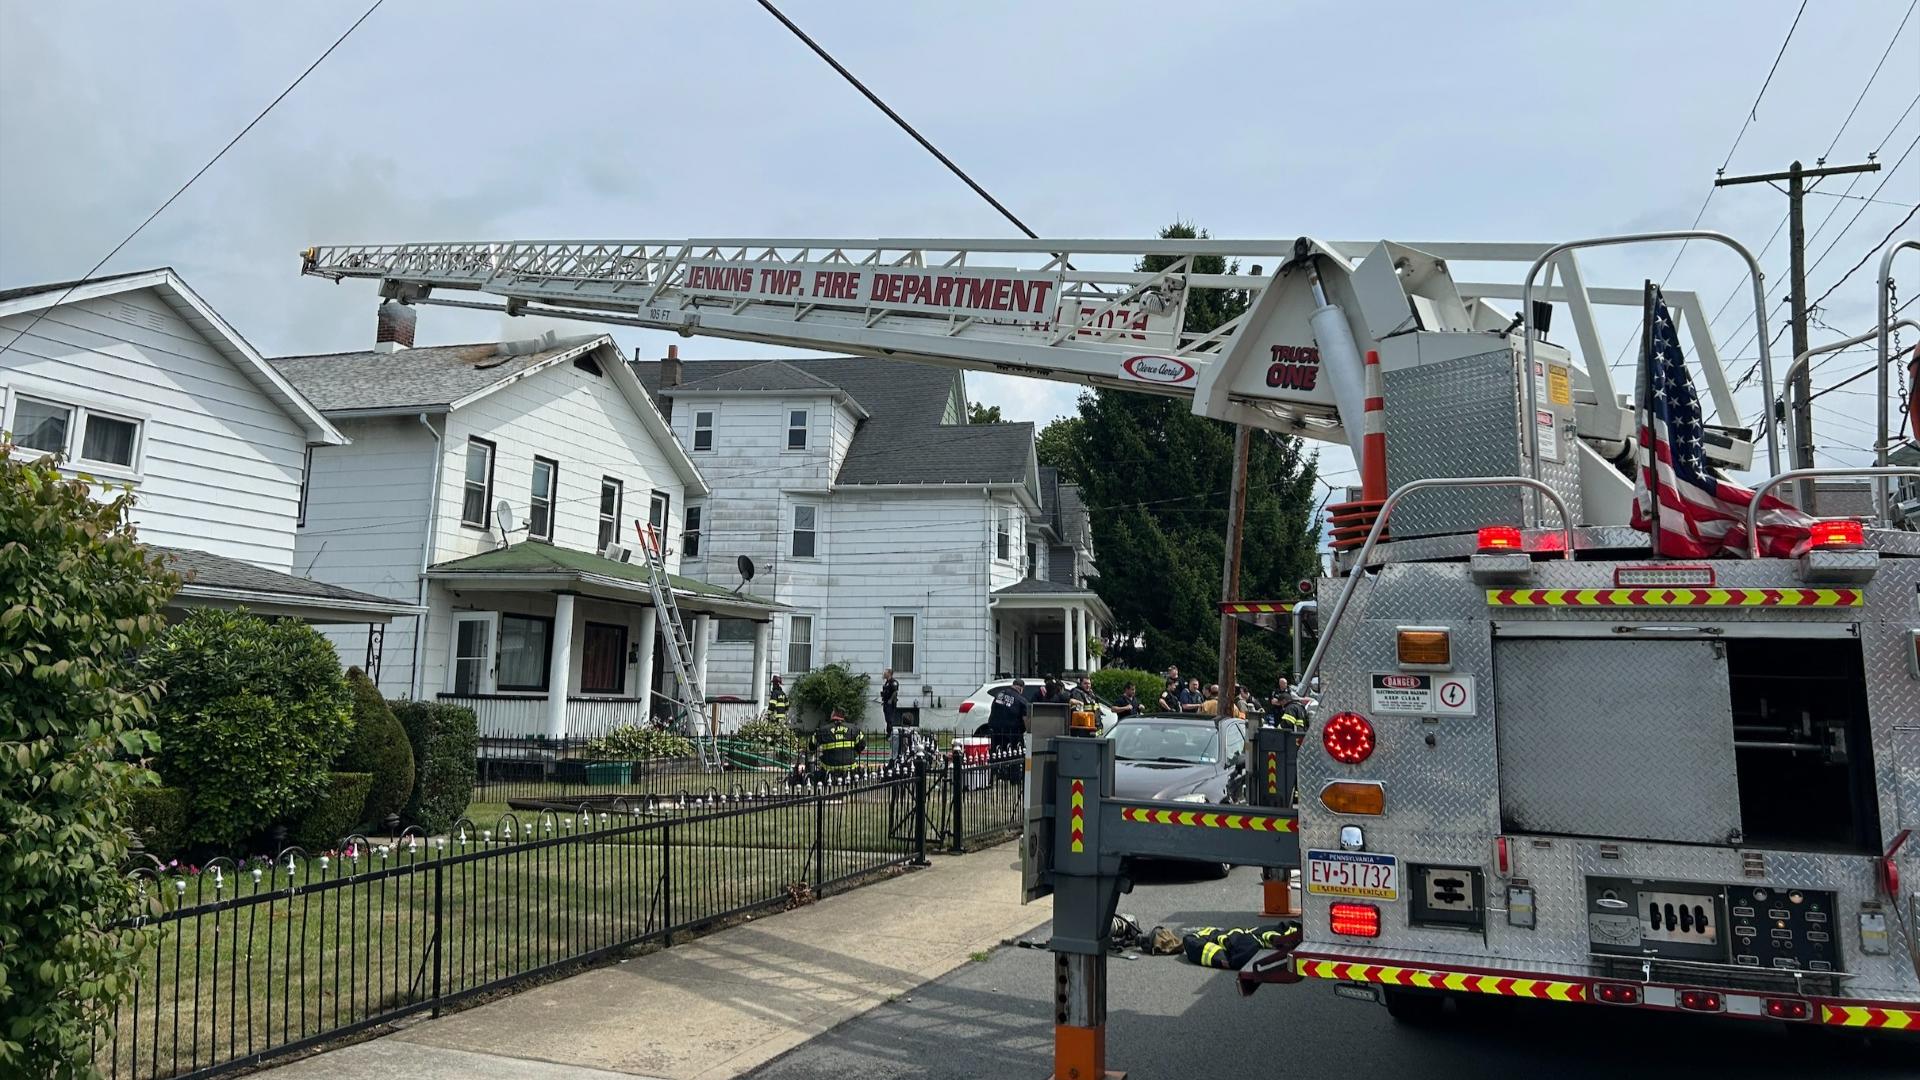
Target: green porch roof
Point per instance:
(535, 558)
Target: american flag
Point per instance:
(1700, 514)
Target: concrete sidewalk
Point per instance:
(722, 1005)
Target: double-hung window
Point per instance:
(526, 652)
(477, 494)
(611, 491)
(1003, 536)
(797, 429)
(900, 654)
(690, 533)
(87, 436)
(546, 481)
(703, 429)
(799, 644)
(804, 518)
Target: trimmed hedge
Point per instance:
(1108, 682)
(334, 814)
(631, 741)
(158, 816)
(379, 746)
(446, 746)
(773, 734)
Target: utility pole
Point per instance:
(1800, 390)
(1230, 579)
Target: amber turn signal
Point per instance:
(1354, 797)
(1424, 645)
(1084, 720)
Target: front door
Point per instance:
(471, 668)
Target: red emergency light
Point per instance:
(1617, 993)
(1700, 1000)
(1839, 534)
(1788, 1009)
(1353, 920)
(1348, 738)
(1498, 538)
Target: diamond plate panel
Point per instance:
(1442, 801)
(1662, 753)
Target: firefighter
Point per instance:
(777, 702)
(836, 746)
(1082, 694)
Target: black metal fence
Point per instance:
(252, 959)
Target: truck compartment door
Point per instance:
(1629, 739)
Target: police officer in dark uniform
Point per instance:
(1007, 721)
(890, 699)
(836, 746)
(777, 702)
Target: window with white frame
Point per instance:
(690, 532)
(1003, 536)
(901, 652)
(659, 503)
(473, 653)
(797, 429)
(1033, 560)
(611, 493)
(84, 435)
(804, 520)
(703, 429)
(477, 494)
(546, 480)
(799, 644)
(306, 478)
(526, 652)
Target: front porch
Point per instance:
(548, 642)
(1042, 628)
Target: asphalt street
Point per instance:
(1170, 1019)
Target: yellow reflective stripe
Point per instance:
(1208, 952)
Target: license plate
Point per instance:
(1353, 873)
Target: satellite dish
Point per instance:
(503, 512)
(745, 566)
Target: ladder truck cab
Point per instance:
(1545, 762)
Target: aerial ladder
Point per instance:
(1435, 364)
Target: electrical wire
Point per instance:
(202, 171)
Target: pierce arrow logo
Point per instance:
(1158, 369)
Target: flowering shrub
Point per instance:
(772, 734)
(636, 741)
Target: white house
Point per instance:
(893, 532)
(483, 482)
(137, 382)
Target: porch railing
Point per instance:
(525, 715)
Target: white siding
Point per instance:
(221, 462)
(365, 525)
(443, 605)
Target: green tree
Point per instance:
(1155, 477)
(77, 596)
(379, 748)
(983, 414)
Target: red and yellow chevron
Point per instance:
(1599, 598)
(1864, 1017)
(1077, 816)
(1501, 985)
(1273, 774)
(1207, 819)
(1254, 607)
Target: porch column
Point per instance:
(702, 624)
(649, 626)
(762, 642)
(1082, 654)
(560, 665)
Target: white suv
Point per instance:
(974, 710)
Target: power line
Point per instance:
(202, 171)
(900, 120)
(1870, 80)
(1870, 253)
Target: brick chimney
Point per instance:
(671, 372)
(394, 330)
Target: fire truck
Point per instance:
(1546, 763)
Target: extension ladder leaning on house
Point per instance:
(688, 699)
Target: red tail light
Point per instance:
(1700, 1000)
(1353, 920)
(1617, 993)
(1788, 1009)
(1890, 877)
(966, 706)
(1839, 533)
(1348, 738)
(1500, 855)
(1499, 538)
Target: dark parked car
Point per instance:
(1179, 757)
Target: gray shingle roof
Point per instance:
(62, 286)
(903, 440)
(432, 377)
(1037, 587)
(212, 571)
(772, 375)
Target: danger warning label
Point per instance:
(1424, 695)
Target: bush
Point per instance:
(446, 742)
(78, 596)
(634, 742)
(378, 746)
(1108, 682)
(772, 734)
(158, 816)
(823, 690)
(254, 714)
(334, 814)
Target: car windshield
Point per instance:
(1168, 740)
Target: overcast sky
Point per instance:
(490, 120)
